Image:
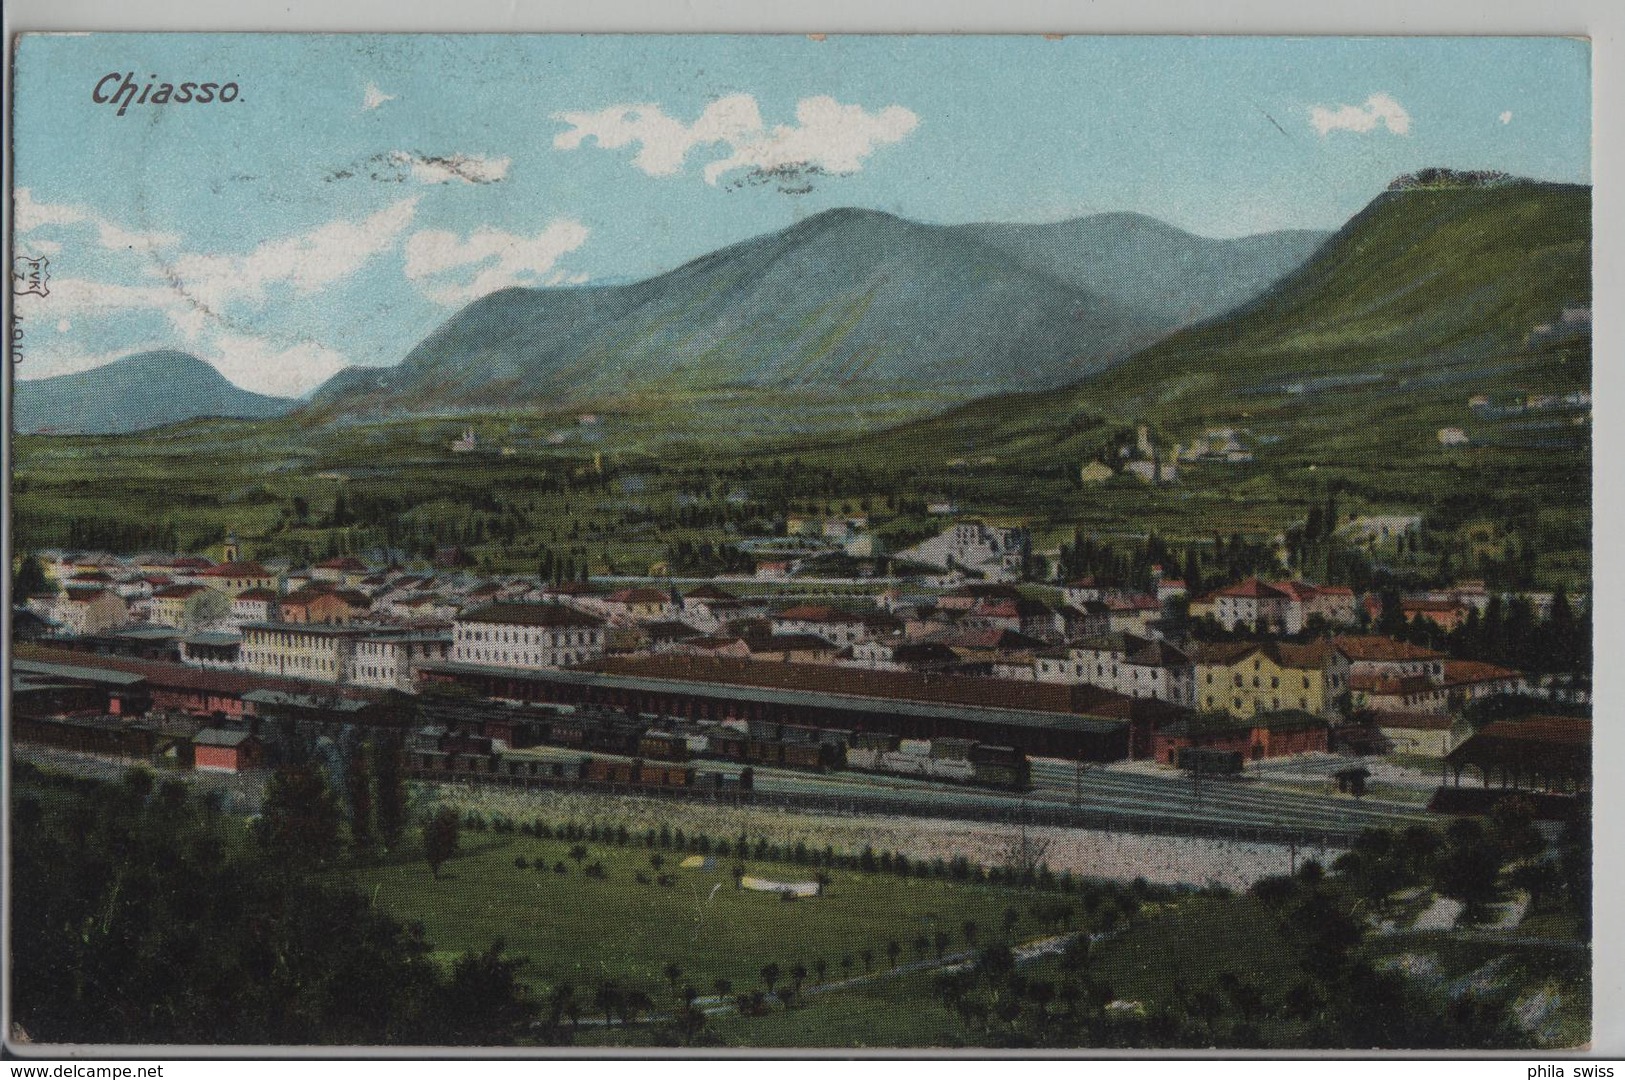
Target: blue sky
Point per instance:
(361, 188)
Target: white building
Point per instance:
(1251, 603)
(526, 636)
(389, 660)
(1124, 664)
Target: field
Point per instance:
(582, 931)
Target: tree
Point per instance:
(893, 951)
(441, 834)
(970, 930)
(608, 999)
(672, 973)
(29, 579)
(389, 791)
(484, 1004)
(204, 608)
(1467, 869)
(867, 955)
(770, 975)
(821, 969)
(299, 816)
(358, 787)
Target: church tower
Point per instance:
(229, 551)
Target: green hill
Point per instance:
(1421, 300)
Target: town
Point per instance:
(965, 674)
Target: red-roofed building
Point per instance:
(1551, 753)
(1398, 694)
(1373, 656)
(168, 605)
(345, 570)
(1445, 614)
(1171, 589)
(327, 606)
(832, 624)
(638, 604)
(237, 577)
(1469, 680)
(255, 605)
(1250, 603)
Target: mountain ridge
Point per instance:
(134, 393)
(850, 300)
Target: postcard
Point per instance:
(632, 544)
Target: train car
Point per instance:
(879, 742)
(1000, 766)
(569, 731)
(799, 733)
(663, 746)
(602, 771)
(801, 755)
(728, 744)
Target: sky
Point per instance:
(359, 189)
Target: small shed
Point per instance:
(218, 750)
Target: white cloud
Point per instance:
(265, 367)
(1379, 110)
(31, 215)
(663, 143)
(83, 296)
(1506, 117)
(374, 98)
(827, 135)
(399, 166)
(307, 262)
(452, 270)
(250, 362)
(28, 215)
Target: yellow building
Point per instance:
(1247, 678)
(236, 578)
(169, 604)
(317, 653)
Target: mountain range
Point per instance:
(848, 302)
(133, 393)
(1116, 314)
